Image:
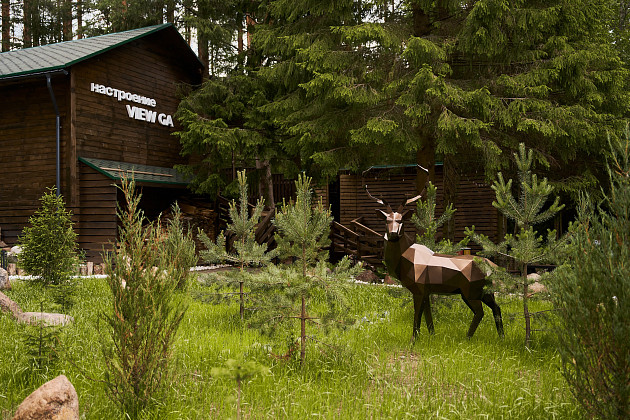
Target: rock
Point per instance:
(12, 269)
(55, 400)
(7, 305)
(533, 277)
(48, 319)
(34, 318)
(389, 280)
(15, 251)
(368, 276)
(537, 288)
(5, 284)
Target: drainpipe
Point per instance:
(57, 126)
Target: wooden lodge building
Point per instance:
(79, 114)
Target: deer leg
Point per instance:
(428, 318)
(488, 299)
(418, 305)
(475, 306)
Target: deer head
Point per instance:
(394, 219)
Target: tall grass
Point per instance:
(369, 370)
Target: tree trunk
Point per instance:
(26, 32)
(303, 332)
(66, 16)
(170, 11)
(6, 25)
(265, 181)
(528, 328)
(79, 20)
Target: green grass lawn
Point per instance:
(367, 371)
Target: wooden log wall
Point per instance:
(473, 202)
(104, 129)
(28, 149)
(97, 220)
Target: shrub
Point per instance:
(49, 245)
(592, 293)
(179, 249)
(145, 315)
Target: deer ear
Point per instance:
(381, 214)
(407, 214)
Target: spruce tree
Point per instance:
(470, 79)
(49, 244)
(525, 247)
(303, 230)
(592, 297)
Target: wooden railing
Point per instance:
(357, 240)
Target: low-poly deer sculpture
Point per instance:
(424, 272)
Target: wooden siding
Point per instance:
(92, 125)
(28, 149)
(139, 68)
(97, 221)
(473, 202)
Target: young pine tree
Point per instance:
(145, 313)
(425, 221)
(246, 250)
(593, 296)
(49, 244)
(525, 247)
(303, 231)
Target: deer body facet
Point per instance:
(424, 272)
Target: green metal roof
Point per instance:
(141, 173)
(64, 54)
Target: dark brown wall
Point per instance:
(103, 127)
(473, 202)
(28, 148)
(98, 221)
(93, 126)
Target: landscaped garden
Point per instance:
(302, 338)
(368, 370)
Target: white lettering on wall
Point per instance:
(143, 114)
(135, 112)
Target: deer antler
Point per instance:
(378, 200)
(409, 201)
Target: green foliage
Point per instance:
(242, 227)
(592, 294)
(41, 343)
(425, 221)
(179, 249)
(525, 247)
(145, 312)
(239, 371)
(279, 295)
(221, 123)
(49, 243)
(303, 228)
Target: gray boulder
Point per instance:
(55, 400)
(4, 280)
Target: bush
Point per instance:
(145, 315)
(49, 245)
(179, 249)
(593, 296)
